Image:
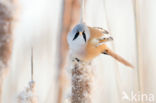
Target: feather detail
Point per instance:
(102, 35)
(117, 57)
(101, 30)
(84, 36)
(76, 35)
(105, 38)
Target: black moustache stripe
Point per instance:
(84, 36)
(76, 35)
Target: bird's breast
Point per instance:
(78, 52)
(91, 51)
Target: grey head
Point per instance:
(78, 36)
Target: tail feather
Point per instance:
(119, 58)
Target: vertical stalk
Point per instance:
(136, 5)
(70, 16)
(81, 82)
(28, 95)
(6, 24)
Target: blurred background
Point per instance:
(44, 25)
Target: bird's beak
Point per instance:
(80, 33)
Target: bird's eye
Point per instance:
(76, 35)
(84, 36)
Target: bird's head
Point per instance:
(78, 36)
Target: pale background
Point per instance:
(38, 24)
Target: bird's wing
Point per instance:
(101, 30)
(105, 37)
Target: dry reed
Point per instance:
(82, 74)
(136, 7)
(28, 94)
(6, 28)
(70, 15)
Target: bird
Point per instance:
(86, 43)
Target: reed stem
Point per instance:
(81, 82)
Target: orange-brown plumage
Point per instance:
(92, 50)
(86, 43)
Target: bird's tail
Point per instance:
(117, 57)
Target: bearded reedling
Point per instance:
(86, 43)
